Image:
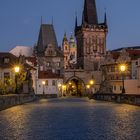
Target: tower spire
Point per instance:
(105, 19)
(76, 24)
(90, 13)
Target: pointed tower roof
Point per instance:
(65, 37)
(76, 24)
(90, 13)
(47, 35)
(105, 19)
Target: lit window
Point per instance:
(6, 60)
(58, 64)
(46, 83)
(48, 64)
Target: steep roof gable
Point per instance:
(90, 13)
(46, 36)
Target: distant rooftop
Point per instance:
(128, 48)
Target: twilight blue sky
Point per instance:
(20, 20)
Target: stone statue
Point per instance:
(105, 87)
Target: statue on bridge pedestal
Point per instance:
(105, 86)
(28, 83)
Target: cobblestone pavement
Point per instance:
(70, 119)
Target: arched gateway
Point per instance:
(75, 86)
(77, 79)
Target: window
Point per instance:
(113, 69)
(46, 83)
(58, 64)
(58, 72)
(88, 49)
(53, 83)
(95, 66)
(121, 88)
(114, 87)
(66, 58)
(6, 75)
(137, 63)
(6, 60)
(50, 52)
(48, 64)
(41, 68)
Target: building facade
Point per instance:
(8, 75)
(110, 67)
(50, 61)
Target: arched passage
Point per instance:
(75, 86)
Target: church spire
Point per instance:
(105, 19)
(90, 13)
(76, 24)
(65, 37)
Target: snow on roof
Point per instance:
(22, 50)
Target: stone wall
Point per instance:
(118, 98)
(46, 96)
(7, 101)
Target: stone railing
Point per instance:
(7, 101)
(118, 98)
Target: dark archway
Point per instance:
(75, 86)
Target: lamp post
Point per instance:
(92, 83)
(88, 88)
(123, 69)
(16, 68)
(43, 83)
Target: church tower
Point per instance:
(91, 38)
(66, 50)
(73, 51)
(69, 51)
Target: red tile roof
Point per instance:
(48, 75)
(134, 54)
(12, 60)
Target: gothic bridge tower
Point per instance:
(91, 38)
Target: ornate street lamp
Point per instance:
(88, 88)
(91, 82)
(43, 83)
(123, 69)
(16, 69)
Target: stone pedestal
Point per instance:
(25, 87)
